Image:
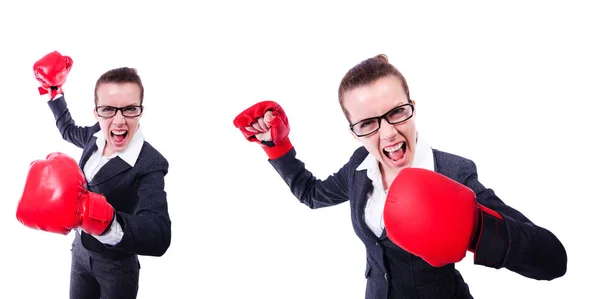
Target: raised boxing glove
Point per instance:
(280, 143)
(51, 71)
(55, 199)
(433, 216)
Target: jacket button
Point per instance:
(385, 276)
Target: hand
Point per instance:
(55, 199)
(267, 124)
(262, 127)
(51, 71)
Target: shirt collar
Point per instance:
(131, 152)
(423, 159)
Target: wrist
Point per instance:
(98, 214)
(277, 151)
(55, 92)
(475, 235)
(491, 240)
(109, 226)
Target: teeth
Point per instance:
(392, 149)
(118, 132)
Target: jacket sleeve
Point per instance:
(313, 192)
(66, 125)
(147, 231)
(514, 242)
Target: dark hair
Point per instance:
(120, 75)
(367, 72)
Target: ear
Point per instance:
(415, 107)
(141, 114)
(96, 114)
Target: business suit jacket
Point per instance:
(517, 244)
(136, 193)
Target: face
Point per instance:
(118, 130)
(392, 145)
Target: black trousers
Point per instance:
(94, 276)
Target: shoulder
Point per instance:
(453, 165)
(151, 159)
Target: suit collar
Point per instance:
(87, 153)
(112, 168)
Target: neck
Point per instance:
(107, 151)
(388, 176)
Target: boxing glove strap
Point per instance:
(54, 91)
(42, 90)
(491, 239)
(277, 151)
(99, 215)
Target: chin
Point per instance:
(119, 148)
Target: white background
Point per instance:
(510, 85)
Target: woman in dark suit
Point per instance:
(122, 169)
(375, 99)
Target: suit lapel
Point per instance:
(87, 152)
(113, 168)
(435, 160)
(365, 186)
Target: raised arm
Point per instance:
(266, 124)
(51, 71)
(69, 131)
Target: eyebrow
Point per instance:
(396, 106)
(135, 104)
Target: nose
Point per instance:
(119, 118)
(387, 131)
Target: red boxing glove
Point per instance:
(55, 199)
(433, 216)
(51, 71)
(279, 127)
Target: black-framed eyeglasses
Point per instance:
(371, 125)
(127, 111)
